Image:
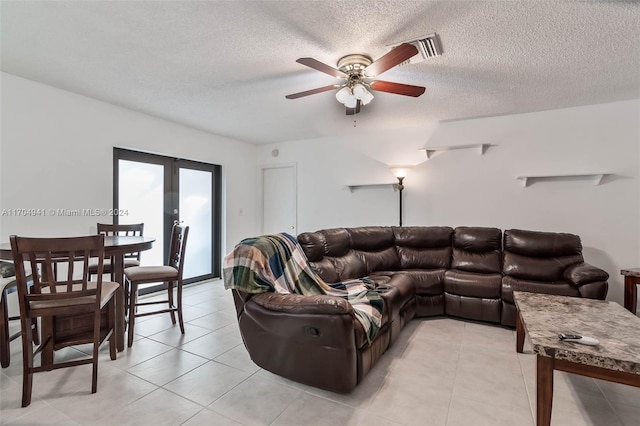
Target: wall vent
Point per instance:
(428, 47)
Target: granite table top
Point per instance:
(545, 316)
(631, 272)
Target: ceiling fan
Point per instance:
(358, 72)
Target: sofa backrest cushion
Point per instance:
(477, 249)
(539, 256)
(423, 247)
(341, 254)
(375, 246)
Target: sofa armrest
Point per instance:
(580, 274)
(299, 304)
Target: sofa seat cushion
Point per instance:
(559, 288)
(427, 281)
(487, 286)
(396, 290)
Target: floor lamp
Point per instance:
(400, 172)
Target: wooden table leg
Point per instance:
(544, 390)
(118, 270)
(519, 333)
(631, 293)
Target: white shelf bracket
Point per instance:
(352, 187)
(531, 179)
(482, 147)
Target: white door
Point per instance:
(279, 210)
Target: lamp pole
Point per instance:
(400, 188)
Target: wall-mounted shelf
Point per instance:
(430, 150)
(531, 179)
(393, 185)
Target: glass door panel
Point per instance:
(195, 209)
(141, 193)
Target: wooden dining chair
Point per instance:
(53, 298)
(8, 284)
(130, 259)
(171, 273)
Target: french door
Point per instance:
(157, 191)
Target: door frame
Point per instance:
(261, 169)
(120, 153)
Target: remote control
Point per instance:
(576, 338)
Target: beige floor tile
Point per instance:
(190, 313)
(363, 417)
(11, 401)
(166, 367)
(628, 414)
(434, 376)
(44, 415)
(590, 418)
(488, 384)
(160, 407)
(207, 383)
(207, 417)
(310, 410)
(256, 401)
(7, 382)
(267, 375)
(359, 397)
(143, 349)
(216, 320)
(174, 337)
(239, 358)
(617, 393)
(410, 403)
(471, 360)
(464, 412)
(116, 388)
(215, 343)
(154, 324)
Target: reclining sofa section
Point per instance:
(466, 272)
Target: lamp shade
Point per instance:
(400, 171)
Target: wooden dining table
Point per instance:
(115, 247)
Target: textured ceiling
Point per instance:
(225, 67)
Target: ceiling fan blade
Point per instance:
(397, 88)
(352, 111)
(312, 91)
(319, 66)
(391, 59)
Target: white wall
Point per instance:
(464, 188)
(56, 151)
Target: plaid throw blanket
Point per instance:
(277, 263)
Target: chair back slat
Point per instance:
(177, 246)
(44, 255)
(132, 229)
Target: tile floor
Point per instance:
(441, 371)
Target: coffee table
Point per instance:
(543, 317)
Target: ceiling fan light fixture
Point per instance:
(359, 90)
(351, 102)
(344, 94)
(366, 97)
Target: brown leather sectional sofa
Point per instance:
(466, 272)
